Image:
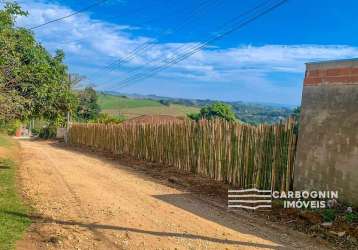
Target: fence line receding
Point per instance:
(242, 155)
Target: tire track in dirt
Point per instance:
(81, 214)
(63, 180)
(40, 234)
(91, 203)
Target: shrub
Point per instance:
(47, 132)
(165, 102)
(35, 131)
(351, 217)
(216, 110)
(194, 116)
(107, 119)
(12, 127)
(329, 215)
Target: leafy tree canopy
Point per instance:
(296, 113)
(33, 83)
(213, 111)
(88, 108)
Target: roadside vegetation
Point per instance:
(12, 226)
(337, 224)
(35, 84)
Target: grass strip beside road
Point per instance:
(12, 226)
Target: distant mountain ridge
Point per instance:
(252, 113)
(156, 97)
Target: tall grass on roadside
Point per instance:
(240, 154)
(13, 213)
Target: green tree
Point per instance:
(88, 108)
(213, 111)
(165, 102)
(297, 115)
(33, 83)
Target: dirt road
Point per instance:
(88, 202)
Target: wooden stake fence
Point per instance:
(242, 155)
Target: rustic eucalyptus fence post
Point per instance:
(239, 154)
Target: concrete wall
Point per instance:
(327, 153)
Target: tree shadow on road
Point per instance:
(95, 226)
(197, 191)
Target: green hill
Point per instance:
(130, 107)
(106, 101)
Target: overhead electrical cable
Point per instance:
(127, 13)
(70, 15)
(146, 45)
(185, 47)
(176, 60)
(149, 44)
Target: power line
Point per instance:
(70, 15)
(176, 60)
(143, 48)
(128, 13)
(148, 45)
(185, 47)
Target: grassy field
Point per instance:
(12, 226)
(119, 102)
(117, 105)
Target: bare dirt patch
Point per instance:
(85, 201)
(215, 193)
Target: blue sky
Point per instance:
(263, 62)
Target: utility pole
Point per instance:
(68, 124)
(68, 119)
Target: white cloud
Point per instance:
(93, 40)
(283, 58)
(91, 44)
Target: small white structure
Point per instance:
(23, 132)
(61, 133)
